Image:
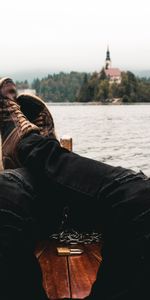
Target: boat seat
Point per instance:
(68, 276)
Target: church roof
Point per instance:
(113, 72)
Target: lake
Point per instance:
(114, 134)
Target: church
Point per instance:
(113, 74)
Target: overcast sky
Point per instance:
(73, 34)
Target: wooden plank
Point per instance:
(66, 277)
(95, 249)
(82, 271)
(40, 247)
(66, 142)
(55, 273)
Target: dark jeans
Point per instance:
(110, 199)
(20, 274)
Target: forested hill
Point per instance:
(85, 87)
(60, 87)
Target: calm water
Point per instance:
(118, 135)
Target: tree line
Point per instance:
(62, 87)
(85, 87)
(130, 89)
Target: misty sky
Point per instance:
(64, 35)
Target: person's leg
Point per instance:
(99, 195)
(125, 270)
(76, 176)
(20, 274)
(80, 180)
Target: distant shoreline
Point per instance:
(95, 103)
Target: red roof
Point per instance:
(113, 72)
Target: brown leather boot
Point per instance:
(13, 124)
(38, 113)
(8, 88)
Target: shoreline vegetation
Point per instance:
(89, 88)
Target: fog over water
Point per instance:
(66, 35)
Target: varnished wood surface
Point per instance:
(68, 276)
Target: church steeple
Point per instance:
(108, 54)
(108, 60)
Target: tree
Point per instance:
(36, 85)
(22, 84)
(84, 95)
(103, 91)
(102, 74)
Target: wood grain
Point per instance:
(68, 276)
(95, 250)
(82, 270)
(55, 273)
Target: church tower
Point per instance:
(108, 60)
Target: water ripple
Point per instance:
(118, 135)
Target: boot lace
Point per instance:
(21, 119)
(45, 122)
